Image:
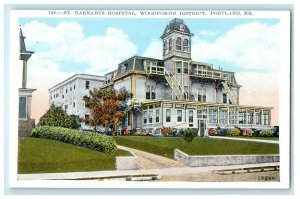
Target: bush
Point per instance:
(266, 133)
(140, 134)
(189, 134)
(247, 132)
(233, 132)
(212, 131)
(222, 132)
(89, 140)
(56, 116)
(255, 132)
(166, 131)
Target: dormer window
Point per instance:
(178, 43)
(165, 47)
(123, 68)
(181, 27)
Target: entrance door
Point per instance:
(202, 128)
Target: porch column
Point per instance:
(228, 115)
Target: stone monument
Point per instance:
(25, 94)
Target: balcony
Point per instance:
(213, 74)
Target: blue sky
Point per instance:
(142, 32)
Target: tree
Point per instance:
(56, 116)
(107, 107)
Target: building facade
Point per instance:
(178, 92)
(69, 94)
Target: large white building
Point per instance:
(69, 93)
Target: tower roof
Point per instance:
(176, 25)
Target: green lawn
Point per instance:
(165, 146)
(37, 155)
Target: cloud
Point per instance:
(208, 33)
(154, 50)
(66, 42)
(252, 46)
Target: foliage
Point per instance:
(37, 155)
(234, 132)
(255, 132)
(266, 133)
(221, 132)
(189, 134)
(247, 132)
(166, 131)
(139, 133)
(89, 140)
(56, 116)
(107, 107)
(212, 131)
(276, 131)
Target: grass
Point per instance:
(165, 146)
(37, 155)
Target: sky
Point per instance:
(66, 46)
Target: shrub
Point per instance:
(166, 131)
(189, 134)
(266, 133)
(89, 140)
(233, 132)
(255, 132)
(247, 132)
(212, 131)
(222, 132)
(140, 134)
(56, 116)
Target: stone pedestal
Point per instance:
(25, 122)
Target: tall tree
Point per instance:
(107, 107)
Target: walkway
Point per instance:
(246, 140)
(151, 161)
(116, 173)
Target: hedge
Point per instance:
(89, 140)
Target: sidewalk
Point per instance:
(116, 173)
(246, 140)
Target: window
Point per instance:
(242, 117)
(179, 115)
(213, 116)
(157, 115)
(223, 117)
(74, 87)
(165, 47)
(145, 117)
(191, 116)
(150, 116)
(71, 88)
(232, 116)
(250, 117)
(123, 68)
(168, 115)
(87, 84)
(202, 95)
(185, 68)
(63, 96)
(258, 118)
(148, 92)
(202, 114)
(74, 104)
(23, 107)
(186, 45)
(178, 67)
(153, 92)
(66, 90)
(170, 45)
(186, 92)
(224, 98)
(66, 107)
(178, 43)
(266, 118)
(86, 119)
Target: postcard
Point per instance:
(149, 99)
